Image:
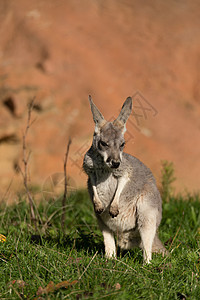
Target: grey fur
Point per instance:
(123, 190)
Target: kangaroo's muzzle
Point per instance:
(115, 164)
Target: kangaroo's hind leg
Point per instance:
(147, 225)
(147, 233)
(158, 246)
(109, 240)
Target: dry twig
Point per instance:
(25, 160)
(65, 185)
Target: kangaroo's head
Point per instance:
(108, 137)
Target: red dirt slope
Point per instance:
(61, 51)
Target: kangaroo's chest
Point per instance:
(106, 185)
(106, 189)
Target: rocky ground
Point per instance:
(61, 51)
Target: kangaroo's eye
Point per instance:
(102, 143)
(122, 145)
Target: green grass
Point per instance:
(30, 260)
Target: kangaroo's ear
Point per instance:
(97, 116)
(124, 114)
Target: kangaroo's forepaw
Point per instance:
(114, 211)
(99, 208)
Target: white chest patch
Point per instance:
(106, 187)
(106, 190)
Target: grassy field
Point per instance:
(50, 264)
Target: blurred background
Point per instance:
(61, 51)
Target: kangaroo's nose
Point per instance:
(115, 164)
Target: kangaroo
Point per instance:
(123, 190)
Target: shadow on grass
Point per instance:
(84, 242)
(88, 242)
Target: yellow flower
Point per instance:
(2, 238)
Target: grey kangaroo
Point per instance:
(123, 190)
